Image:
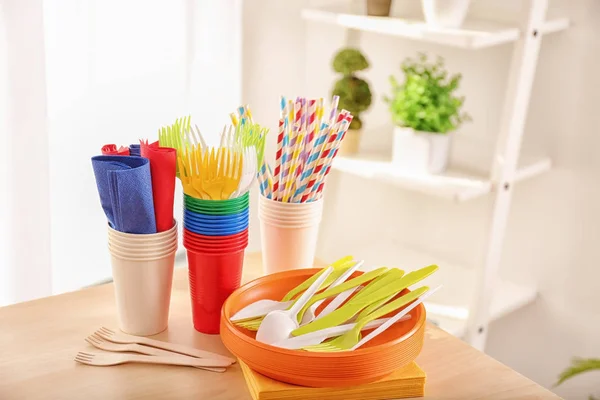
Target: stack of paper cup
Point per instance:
(289, 233)
(215, 236)
(142, 266)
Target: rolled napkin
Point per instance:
(111, 150)
(163, 161)
(134, 150)
(125, 189)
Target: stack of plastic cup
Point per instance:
(289, 233)
(215, 236)
(142, 267)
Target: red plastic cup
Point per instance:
(220, 239)
(205, 250)
(214, 243)
(213, 277)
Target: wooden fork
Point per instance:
(123, 338)
(102, 344)
(107, 359)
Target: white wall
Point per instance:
(551, 230)
(116, 72)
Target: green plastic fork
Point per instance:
(349, 339)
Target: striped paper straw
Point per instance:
(286, 165)
(312, 120)
(294, 162)
(282, 104)
(334, 105)
(304, 118)
(297, 118)
(320, 111)
(279, 158)
(318, 167)
(327, 165)
(312, 160)
(267, 180)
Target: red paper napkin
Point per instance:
(111, 150)
(163, 161)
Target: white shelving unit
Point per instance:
(455, 184)
(472, 297)
(472, 35)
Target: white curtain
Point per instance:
(83, 73)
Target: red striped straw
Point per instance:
(277, 172)
(312, 120)
(326, 149)
(297, 120)
(341, 134)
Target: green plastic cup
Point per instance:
(217, 207)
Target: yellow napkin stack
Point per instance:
(406, 382)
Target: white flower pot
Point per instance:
(445, 13)
(421, 151)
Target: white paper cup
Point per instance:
(143, 293)
(144, 255)
(136, 238)
(142, 246)
(288, 234)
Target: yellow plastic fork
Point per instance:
(197, 172)
(185, 175)
(349, 339)
(233, 173)
(212, 183)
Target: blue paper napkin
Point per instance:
(125, 189)
(134, 150)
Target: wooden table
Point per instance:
(38, 340)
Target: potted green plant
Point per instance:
(425, 110)
(354, 93)
(579, 366)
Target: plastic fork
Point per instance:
(315, 338)
(108, 359)
(102, 344)
(381, 288)
(119, 337)
(261, 308)
(353, 336)
(249, 171)
(185, 175)
(254, 324)
(232, 173)
(352, 339)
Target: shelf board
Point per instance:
(473, 34)
(456, 184)
(449, 307)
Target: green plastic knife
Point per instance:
(374, 306)
(338, 268)
(352, 283)
(385, 287)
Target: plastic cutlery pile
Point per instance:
(356, 304)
